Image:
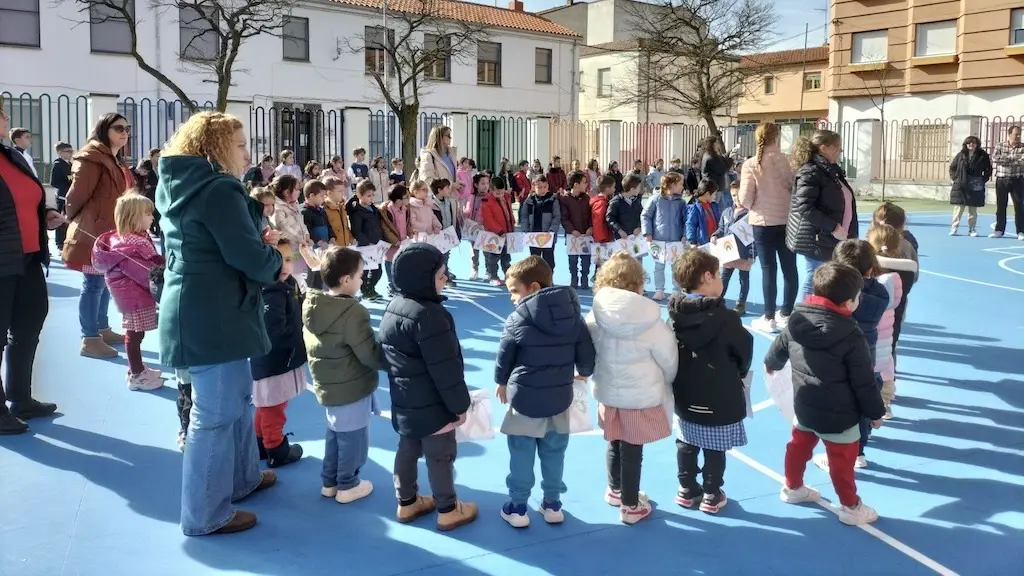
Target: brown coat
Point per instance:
(97, 182)
(387, 224)
(337, 219)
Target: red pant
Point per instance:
(841, 458)
(269, 424)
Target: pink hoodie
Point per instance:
(469, 202)
(422, 218)
(125, 264)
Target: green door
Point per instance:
(486, 144)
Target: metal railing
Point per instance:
(312, 133)
(386, 136)
(153, 122)
(50, 120)
(492, 138)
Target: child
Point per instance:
(314, 216)
(523, 180)
(421, 211)
(715, 353)
(397, 175)
(496, 213)
(624, 210)
(730, 216)
(266, 199)
(544, 344)
(287, 167)
(893, 215)
(280, 375)
(60, 180)
(334, 208)
(429, 396)
(287, 218)
(833, 387)
(676, 165)
(874, 301)
(394, 218)
(472, 198)
(886, 241)
(446, 208)
(636, 362)
(344, 358)
(464, 173)
(662, 220)
(577, 221)
(702, 214)
(599, 215)
(125, 256)
(555, 176)
(358, 170)
(367, 229)
(540, 212)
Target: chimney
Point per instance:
(516, 5)
(570, 2)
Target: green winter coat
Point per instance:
(343, 352)
(211, 309)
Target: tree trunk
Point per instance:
(712, 125)
(408, 124)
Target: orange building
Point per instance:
(795, 90)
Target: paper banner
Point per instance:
(311, 258)
(665, 252)
(373, 255)
(742, 230)
(470, 230)
(540, 239)
(488, 242)
(579, 245)
(725, 249)
(515, 242)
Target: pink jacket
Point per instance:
(765, 188)
(893, 282)
(125, 263)
(468, 199)
(422, 218)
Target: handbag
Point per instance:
(579, 410)
(479, 424)
(780, 389)
(975, 184)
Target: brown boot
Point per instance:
(421, 507)
(95, 347)
(111, 338)
(464, 513)
(241, 522)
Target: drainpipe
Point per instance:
(574, 87)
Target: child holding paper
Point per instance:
(396, 226)
(624, 209)
(702, 214)
(663, 221)
(730, 216)
(496, 213)
(577, 221)
(540, 213)
(446, 209)
(421, 211)
(599, 214)
(367, 229)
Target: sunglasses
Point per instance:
(122, 128)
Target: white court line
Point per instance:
(882, 536)
(972, 281)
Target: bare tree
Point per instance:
(216, 30)
(688, 54)
(419, 47)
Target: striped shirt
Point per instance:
(1009, 160)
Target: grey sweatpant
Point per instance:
(439, 451)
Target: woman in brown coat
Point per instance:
(98, 180)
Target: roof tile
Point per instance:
(786, 57)
(471, 12)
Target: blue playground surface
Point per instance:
(96, 490)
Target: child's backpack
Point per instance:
(156, 282)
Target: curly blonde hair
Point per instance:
(210, 135)
(621, 271)
(129, 211)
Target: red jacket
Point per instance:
(496, 220)
(598, 208)
(524, 185)
(557, 179)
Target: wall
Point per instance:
(785, 103)
(1000, 102)
(593, 108)
(334, 76)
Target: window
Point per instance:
(924, 142)
(109, 32)
(1016, 27)
(295, 39)
(374, 43)
(440, 47)
(769, 85)
(542, 66)
(604, 83)
(579, 83)
(870, 47)
(812, 81)
(199, 38)
(935, 39)
(488, 63)
(19, 22)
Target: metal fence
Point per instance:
(311, 132)
(50, 120)
(494, 138)
(153, 122)
(386, 136)
(573, 140)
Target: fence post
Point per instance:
(611, 142)
(356, 129)
(867, 156)
(673, 143)
(459, 124)
(538, 139)
(242, 110)
(100, 104)
(962, 127)
(730, 137)
(788, 133)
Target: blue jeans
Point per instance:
(520, 480)
(92, 305)
(345, 453)
(221, 463)
(772, 254)
(659, 275)
(388, 265)
(807, 282)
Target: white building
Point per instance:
(304, 88)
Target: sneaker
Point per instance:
(11, 425)
(1020, 236)
(584, 285)
(144, 382)
(762, 324)
(712, 503)
(996, 234)
(740, 308)
(659, 295)
(691, 500)
(857, 515)
(552, 512)
(421, 507)
(361, 490)
(328, 491)
(154, 374)
(861, 462)
(888, 412)
(780, 320)
(473, 275)
(799, 495)
(613, 497)
(953, 232)
(973, 233)
(495, 282)
(632, 514)
(464, 513)
(516, 515)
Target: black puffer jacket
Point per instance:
(623, 215)
(421, 350)
(715, 352)
(816, 208)
(12, 258)
(282, 314)
(365, 223)
(966, 170)
(833, 377)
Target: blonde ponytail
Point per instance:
(805, 148)
(766, 135)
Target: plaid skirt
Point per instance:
(637, 427)
(720, 438)
(142, 320)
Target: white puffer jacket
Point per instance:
(637, 355)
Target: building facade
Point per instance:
(794, 92)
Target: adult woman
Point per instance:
(823, 210)
(98, 180)
(436, 160)
(714, 165)
(614, 172)
(766, 182)
(970, 169)
(24, 218)
(211, 315)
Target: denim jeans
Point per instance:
(659, 275)
(92, 305)
(345, 453)
(388, 267)
(770, 245)
(221, 463)
(809, 265)
(520, 479)
(727, 276)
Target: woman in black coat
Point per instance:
(822, 210)
(970, 170)
(714, 165)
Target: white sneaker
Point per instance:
(996, 234)
(861, 462)
(953, 232)
(1020, 236)
(762, 324)
(552, 513)
(181, 442)
(516, 516)
(143, 381)
(328, 491)
(857, 515)
(361, 490)
(633, 514)
(781, 321)
(799, 495)
(973, 233)
(888, 412)
(474, 275)
(659, 295)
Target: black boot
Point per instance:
(284, 454)
(11, 424)
(263, 449)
